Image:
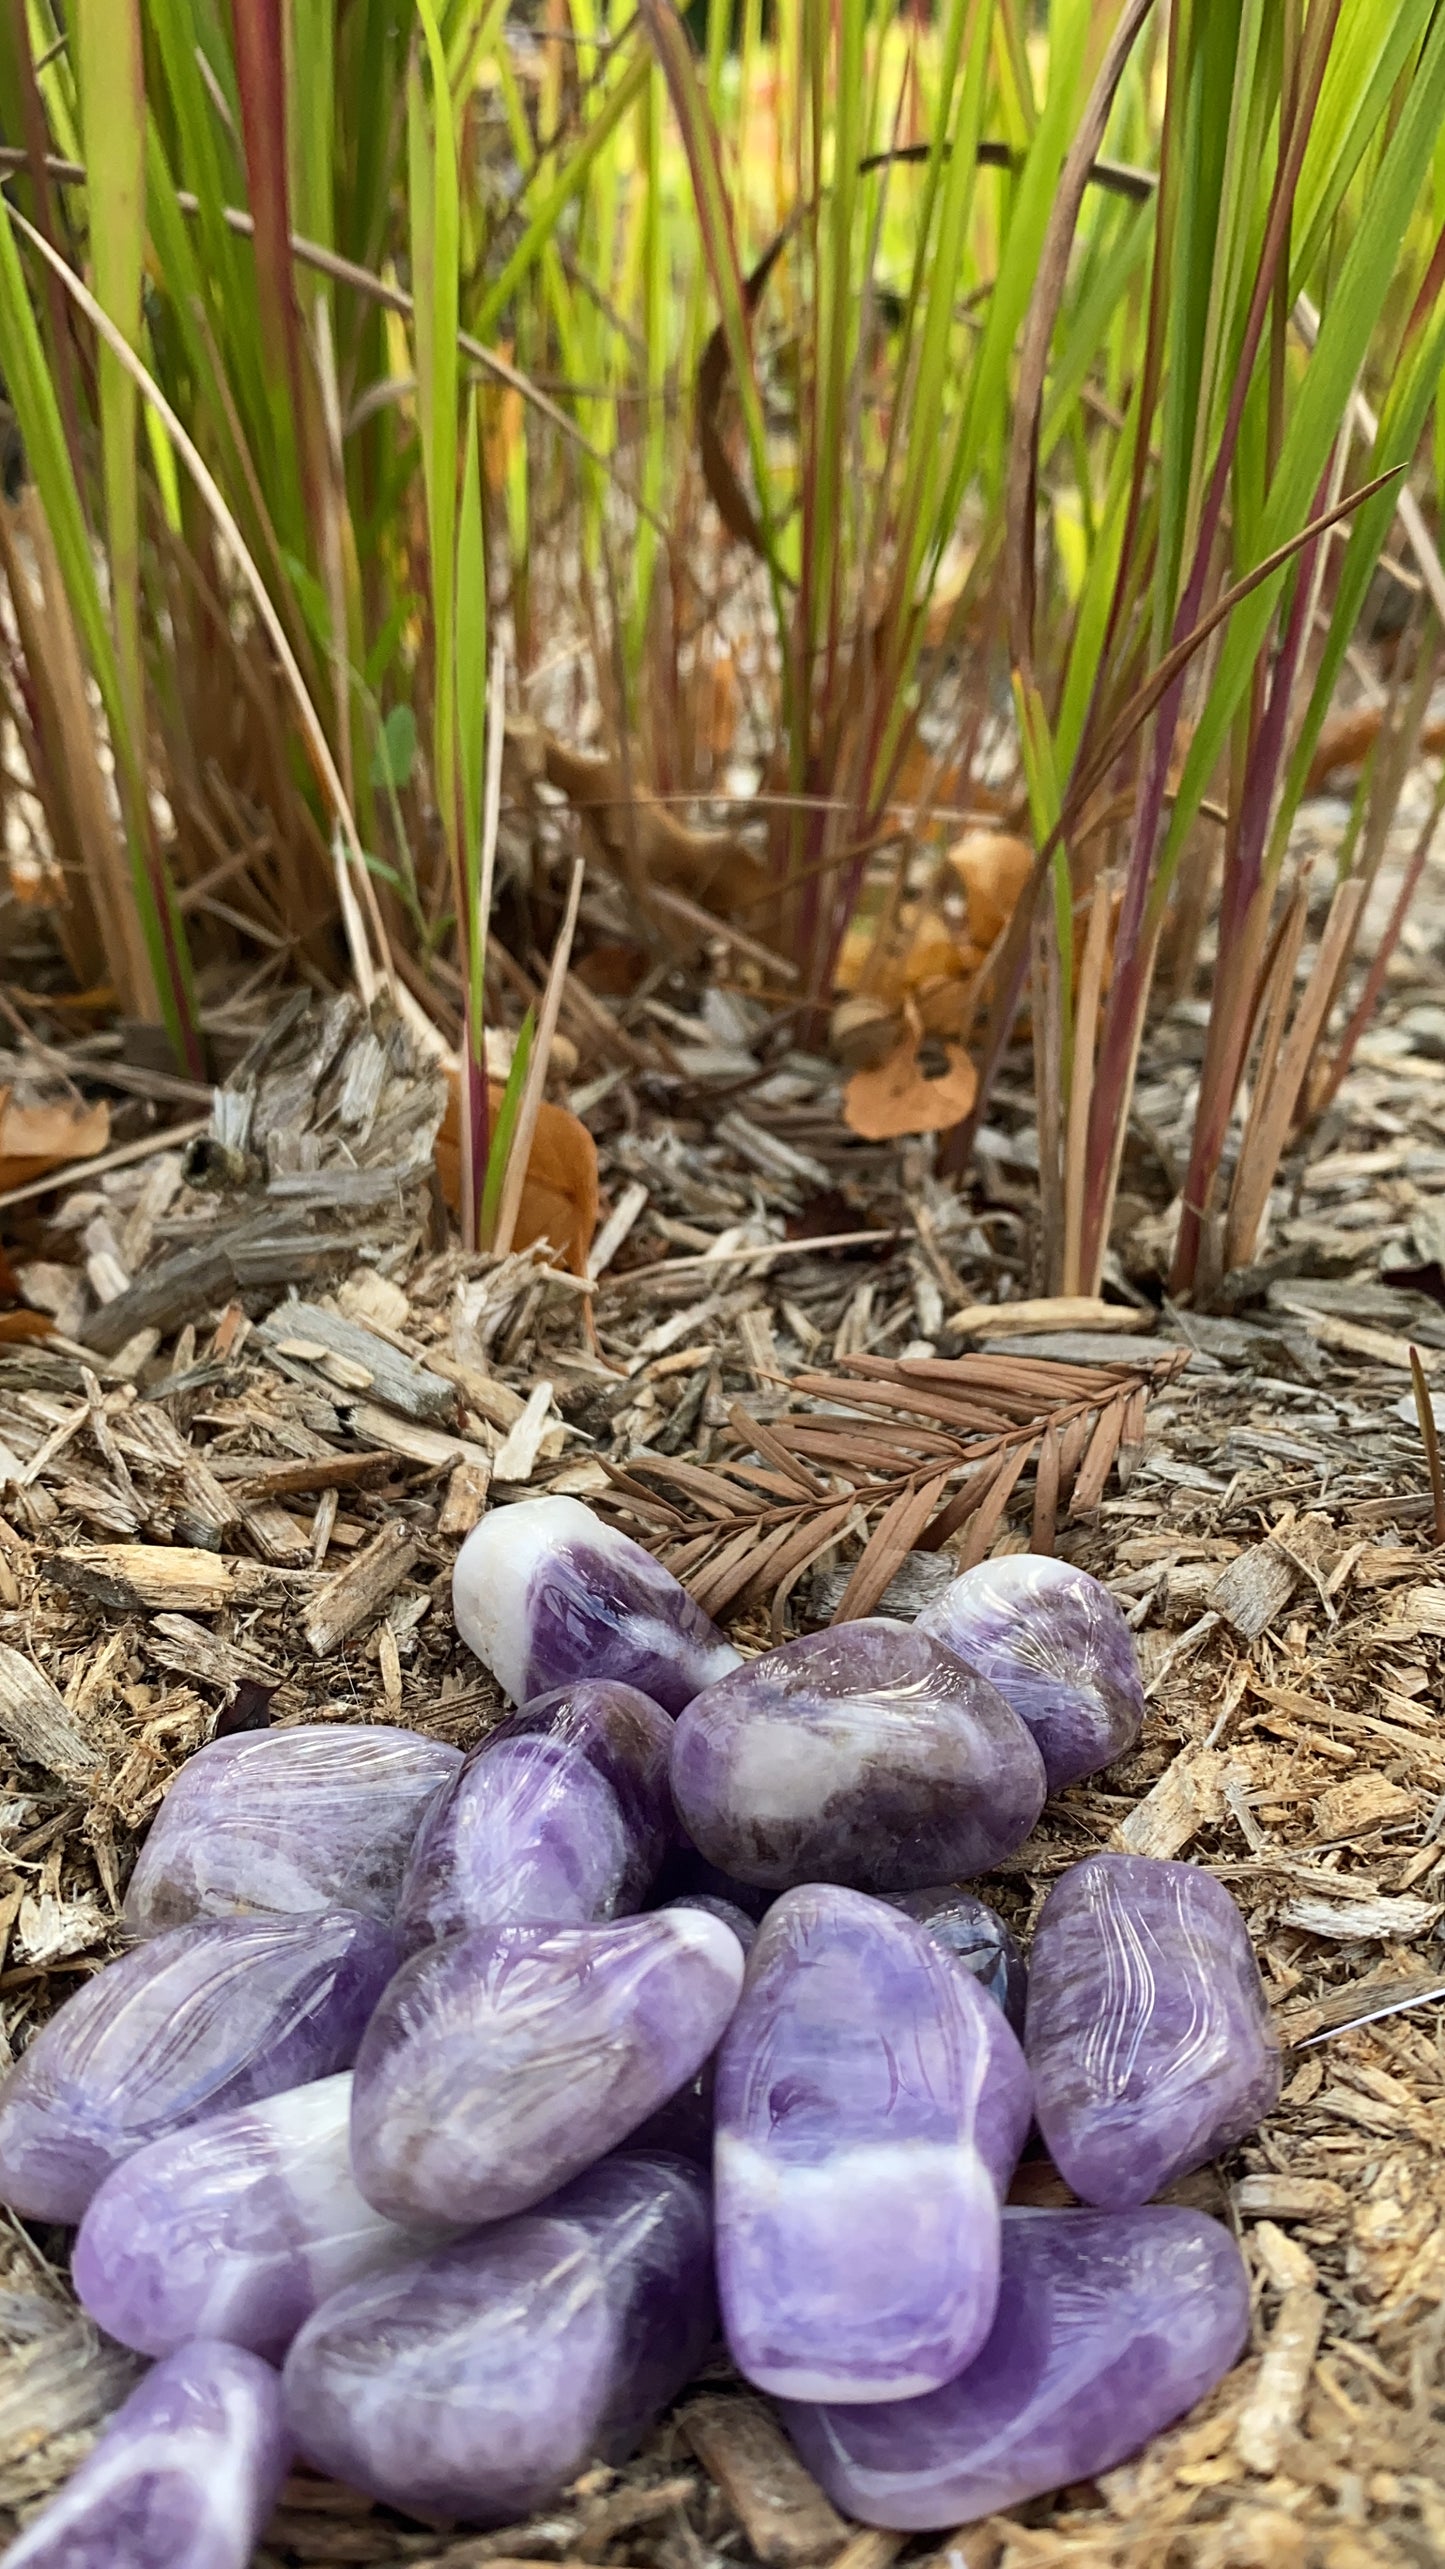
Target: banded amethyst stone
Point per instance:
(1108, 2329)
(195, 2022)
(500, 2064)
(184, 2477)
(978, 1940)
(1149, 2035)
(684, 2123)
(478, 2381)
(866, 1755)
(545, 1593)
(560, 1817)
(1055, 1643)
(287, 1820)
(871, 2107)
(239, 2227)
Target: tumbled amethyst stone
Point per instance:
(867, 1755)
(1109, 2327)
(1055, 1643)
(684, 2123)
(195, 2022)
(478, 2381)
(1149, 2035)
(871, 2107)
(287, 1821)
(238, 2227)
(500, 2064)
(558, 1818)
(545, 1593)
(184, 2477)
(978, 1940)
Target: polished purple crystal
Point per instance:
(500, 2064)
(871, 2107)
(560, 1817)
(976, 1937)
(286, 1821)
(478, 2381)
(1055, 1644)
(684, 2123)
(545, 1593)
(1109, 2327)
(867, 1754)
(238, 2227)
(184, 2477)
(1149, 2035)
(195, 2022)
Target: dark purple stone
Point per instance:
(1055, 1643)
(871, 2107)
(1148, 2035)
(1109, 2326)
(287, 1821)
(866, 1755)
(976, 1937)
(195, 2022)
(545, 1593)
(238, 2227)
(499, 2065)
(184, 2477)
(560, 1817)
(479, 2381)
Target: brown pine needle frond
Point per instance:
(903, 1452)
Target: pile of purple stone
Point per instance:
(439, 2094)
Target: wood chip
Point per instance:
(465, 1503)
(516, 1457)
(779, 2505)
(1062, 1311)
(353, 1596)
(1382, 1921)
(1287, 2198)
(351, 1358)
(1273, 2407)
(157, 1577)
(1252, 1589)
(427, 1445)
(34, 1718)
(1188, 1796)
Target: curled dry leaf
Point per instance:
(559, 1199)
(900, 1097)
(38, 1133)
(993, 869)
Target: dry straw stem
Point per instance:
(1425, 1412)
(536, 1081)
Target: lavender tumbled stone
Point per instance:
(480, 2380)
(977, 1939)
(866, 1755)
(1149, 2035)
(239, 2227)
(194, 2022)
(545, 1593)
(287, 1821)
(498, 2065)
(184, 2476)
(560, 1817)
(871, 2107)
(1055, 1643)
(1109, 2327)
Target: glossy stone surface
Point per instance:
(498, 2065)
(195, 2022)
(684, 2123)
(871, 2107)
(184, 2476)
(478, 2381)
(545, 1593)
(1056, 1645)
(239, 2227)
(866, 1755)
(1109, 2327)
(287, 1821)
(559, 1817)
(1149, 2036)
(978, 1940)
